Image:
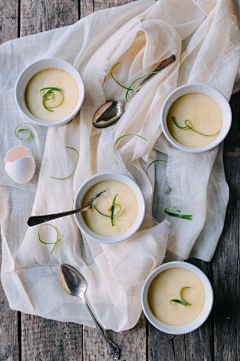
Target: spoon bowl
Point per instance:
(72, 281)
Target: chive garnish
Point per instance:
(111, 209)
(156, 160)
(176, 213)
(73, 169)
(188, 127)
(21, 130)
(122, 86)
(108, 215)
(182, 301)
(57, 240)
(144, 76)
(122, 136)
(49, 95)
(169, 188)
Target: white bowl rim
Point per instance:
(141, 208)
(217, 140)
(43, 122)
(199, 320)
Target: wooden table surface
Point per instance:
(29, 338)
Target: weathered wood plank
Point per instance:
(225, 264)
(9, 320)
(132, 343)
(89, 6)
(38, 16)
(8, 20)
(9, 341)
(47, 340)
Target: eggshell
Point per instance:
(20, 164)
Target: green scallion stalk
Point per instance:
(21, 130)
(182, 301)
(57, 240)
(49, 95)
(111, 72)
(122, 136)
(156, 160)
(176, 213)
(73, 169)
(188, 127)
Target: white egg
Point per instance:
(20, 164)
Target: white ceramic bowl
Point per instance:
(202, 89)
(197, 322)
(100, 178)
(35, 68)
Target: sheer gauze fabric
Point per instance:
(204, 37)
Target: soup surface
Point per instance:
(166, 286)
(67, 98)
(204, 115)
(126, 217)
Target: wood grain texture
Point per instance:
(132, 343)
(9, 320)
(225, 264)
(39, 15)
(47, 340)
(8, 20)
(9, 340)
(89, 6)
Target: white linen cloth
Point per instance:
(204, 36)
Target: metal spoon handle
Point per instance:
(160, 67)
(112, 349)
(33, 221)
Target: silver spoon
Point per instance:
(110, 112)
(33, 221)
(75, 284)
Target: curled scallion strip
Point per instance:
(122, 136)
(73, 169)
(129, 88)
(21, 130)
(57, 240)
(156, 160)
(181, 291)
(108, 215)
(111, 209)
(176, 213)
(188, 127)
(122, 86)
(182, 301)
(50, 95)
(169, 188)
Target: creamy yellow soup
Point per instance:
(166, 287)
(125, 198)
(204, 115)
(67, 98)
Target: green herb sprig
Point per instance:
(176, 213)
(74, 167)
(156, 160)
(122, 136)
(57, 240)
(188, 127)
(111, 209)
(111, 72)
(21, 130)
(49, 95)
(182, 301)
